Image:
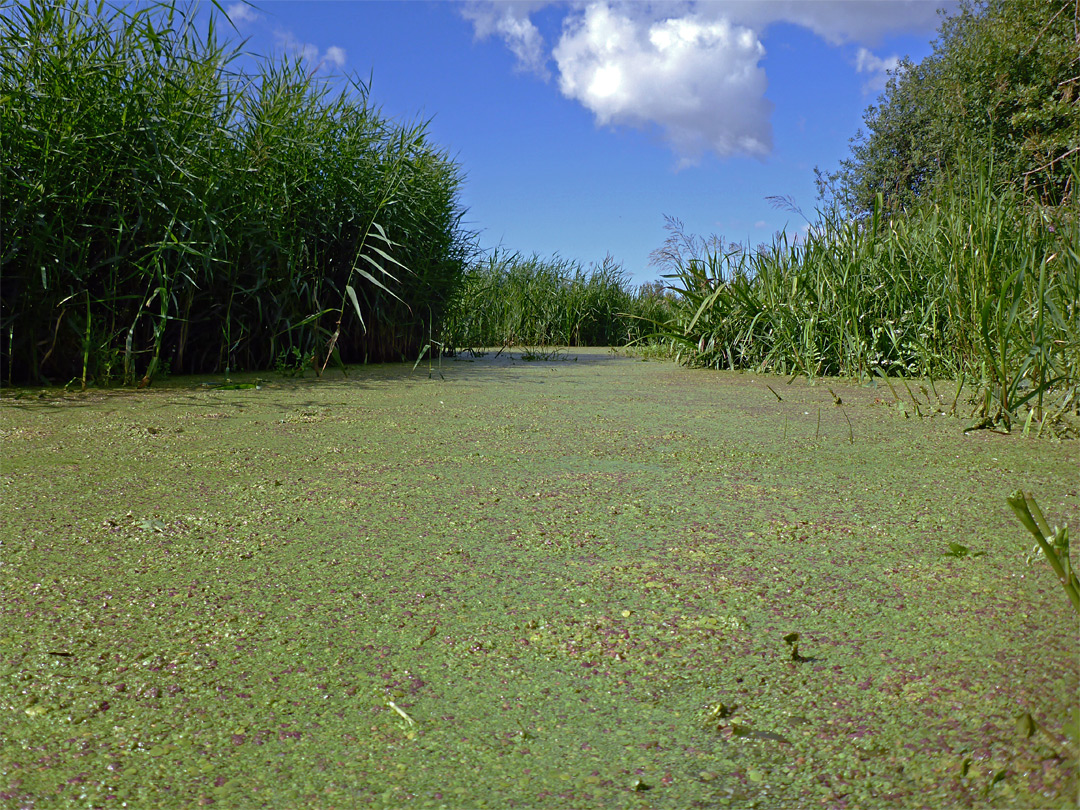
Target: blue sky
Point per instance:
(578, 126)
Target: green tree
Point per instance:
(1002, 84)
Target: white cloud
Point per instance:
(334, 56)
(510, 21)
(838, 21)
(525, 42)
(241, 13)
(878, 68)
(689, 68)
(835, 21)
(697, 80)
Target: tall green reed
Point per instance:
(165, 206)
(983, 286)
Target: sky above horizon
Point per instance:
(578, 126)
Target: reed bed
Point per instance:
(510, 300)
(165, 209)
(977, 286)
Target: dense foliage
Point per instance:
(509, 300)
(948, 245)
(1002, 86)
(163, 208)
(976, 286)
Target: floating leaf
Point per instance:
(1025, 724)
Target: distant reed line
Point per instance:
(512, 300)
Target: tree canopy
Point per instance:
(1001, 86)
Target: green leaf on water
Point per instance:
(1025, 724)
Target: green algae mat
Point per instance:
(568, 584)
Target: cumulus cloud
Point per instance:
(697, 80)
(241, 13)
(689, 69)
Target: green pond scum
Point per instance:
(602, 583)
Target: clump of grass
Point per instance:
(510, 300)
(163, 204)
(983, 287)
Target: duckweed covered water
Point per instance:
(558, 584)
